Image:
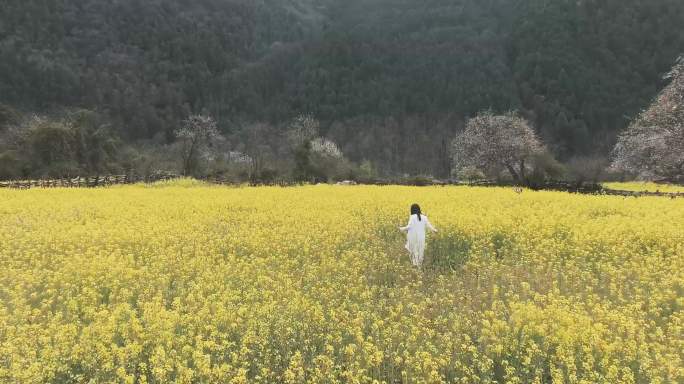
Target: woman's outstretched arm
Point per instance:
(429, 225)
(407, 227)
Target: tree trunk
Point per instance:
(513, 172)
(523, 176)
(188, 159)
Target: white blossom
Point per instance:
(302, 129)
(326, 147)
(238, 158)
(196, 136)
(490, 142)
(653, 145)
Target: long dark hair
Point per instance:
(415, 210)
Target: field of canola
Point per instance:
(645, 186)
(196, 284)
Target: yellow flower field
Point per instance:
(645, 186)
(200, 284)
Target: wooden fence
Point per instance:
(87, 182)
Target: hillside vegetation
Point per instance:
(392, 81)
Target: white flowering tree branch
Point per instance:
(653, 145)
(490, 142)
(196, 135)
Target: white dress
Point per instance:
(415, 237)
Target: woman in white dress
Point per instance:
(415, 237)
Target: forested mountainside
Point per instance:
(391, 81)
(146, 63)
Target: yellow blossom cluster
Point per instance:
(637, 186)
(188, 283)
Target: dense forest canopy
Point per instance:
(391, 81)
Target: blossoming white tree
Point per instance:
(653, 145)
(492, 142)
(196, 137)
(315, 157)
(304, 128)
(325, 147)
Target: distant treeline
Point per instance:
(391, 81)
